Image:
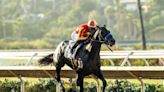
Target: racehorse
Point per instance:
(91, 63)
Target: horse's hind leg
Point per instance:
(100, 76)
(58, 70)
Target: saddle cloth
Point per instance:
(68, 53)
(81, 55)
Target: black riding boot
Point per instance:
(73, 47)
(75, 52)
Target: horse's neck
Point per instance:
(96, 46)
(95, 50)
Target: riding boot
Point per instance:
(73, 47)
(75, 52)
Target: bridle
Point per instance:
(100, 36)
(98, 33)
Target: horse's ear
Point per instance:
(105, 26)
(97, 26)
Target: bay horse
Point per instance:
(91, 63)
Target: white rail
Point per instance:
(104, 54)
(126, 55)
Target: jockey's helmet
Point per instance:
(92, 23)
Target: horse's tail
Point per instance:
(46, 60)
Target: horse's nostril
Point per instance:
(112, 43)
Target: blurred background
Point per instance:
(42, 24)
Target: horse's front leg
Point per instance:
(80, 80)
(100, 76)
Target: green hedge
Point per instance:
(44, 85)
(8, 86)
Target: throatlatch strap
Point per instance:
(96, 34)
(88, 47)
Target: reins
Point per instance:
(95, 35)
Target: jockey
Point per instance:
(81, 35)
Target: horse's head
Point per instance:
(103, 35)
